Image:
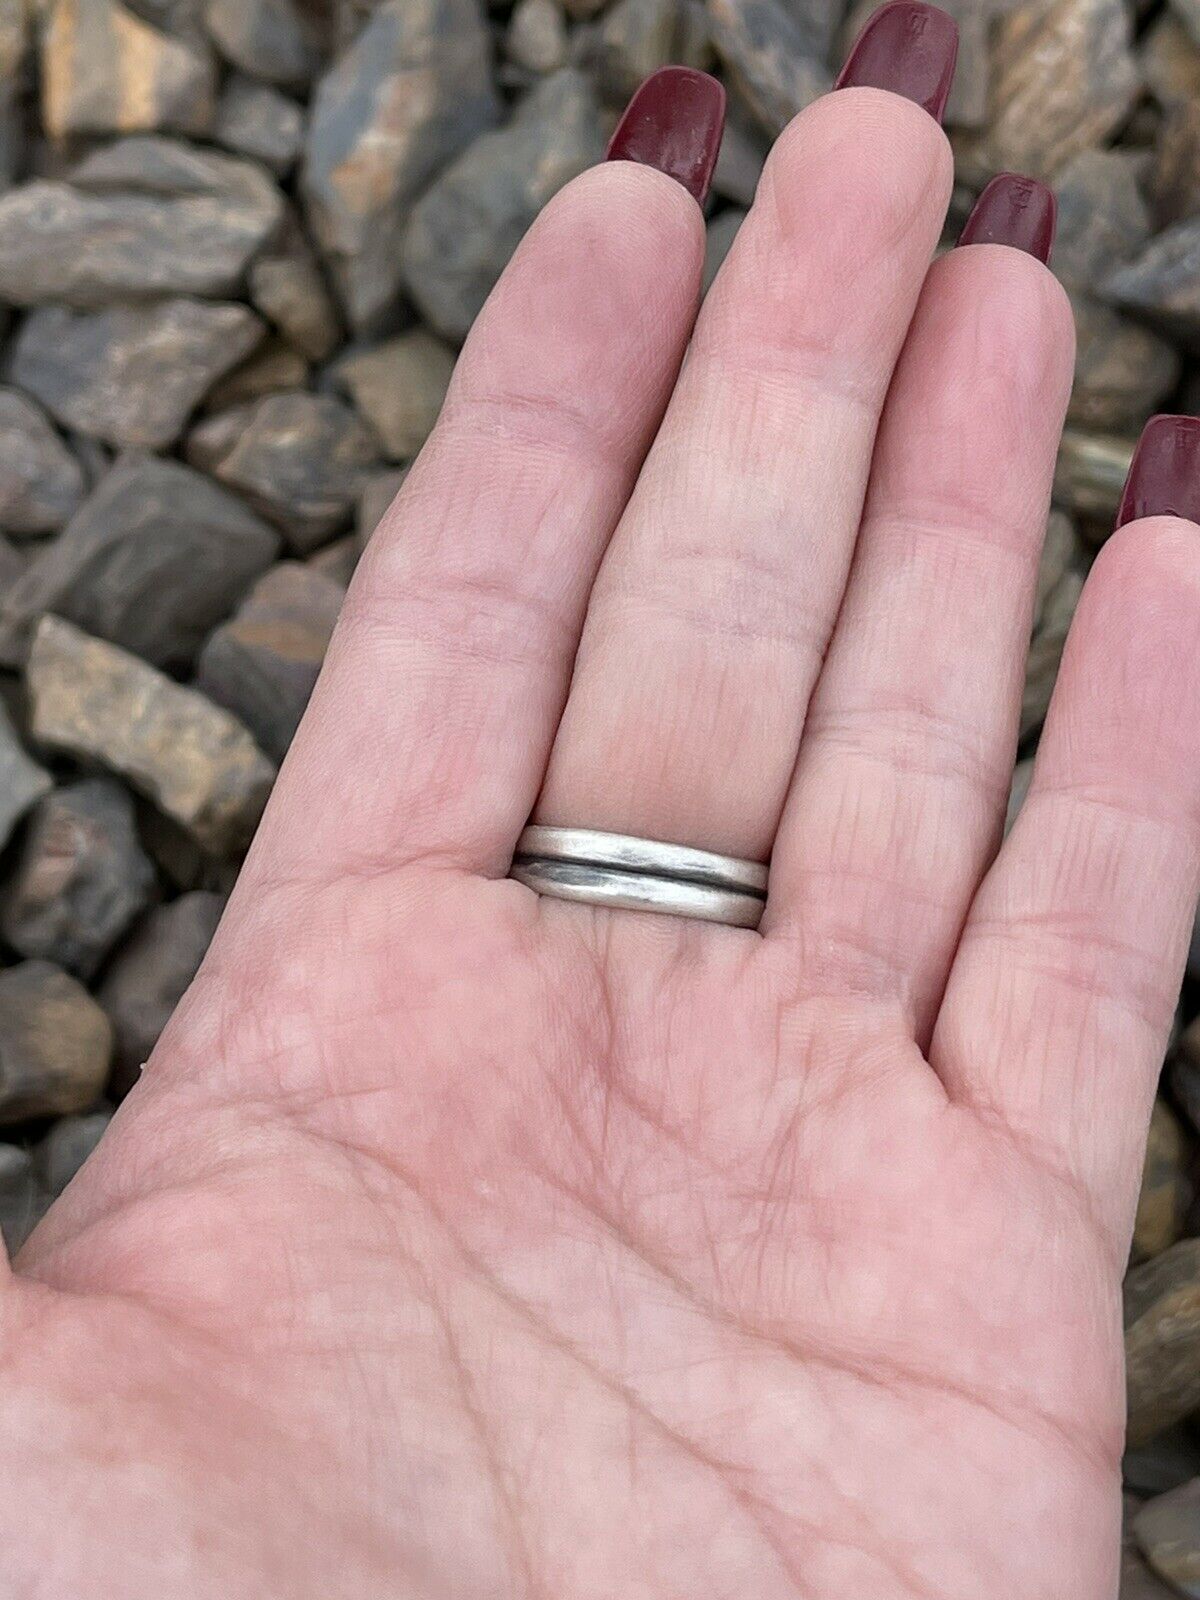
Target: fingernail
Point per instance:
(1164, 475)
(1016, 211)
(908, 48)
(674, 122)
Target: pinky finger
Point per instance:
(1062, 993)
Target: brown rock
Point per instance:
(41, 483)
(468, 223)
(1139, 1583)
(1165, 1191)
(273, 366)
(1122, 370)
(411, 92)
(15, 32)
(1162, 283)
(104, 70)
(22, 781)
(1168, 1531)
(55, 1043)
(263, 664)
(66, 1147)
(254, 120)
(1046, 650)
(153, 560)
(1064, 77)
(1173, 179)
(636, 37)
(145, 217)
(272, 39)
(286, 285)
(1060, 551)
(1170, 61)
(300, 459)
(399, 388)
(1091, 473)
(774, 61)
(1185, 1069)
(537, 36)
(81, 879)
(97, 703)
(1162, 1340)
(130, 376)
(337, 561)
(1102, 217)
(378, 493)
(149, 975)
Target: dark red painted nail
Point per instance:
(1164, 475)
(674, 122)
(1016, 211)
(908, 48)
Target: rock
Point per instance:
(1139, 1583)
(22, 781)
(272, 367)
(721, 233)
(1172, 1457)
(1173, 179)
(636, 37)
(1170, 61)
(1162, 283)
(154, 559)
(81, 879)
(1122, 370)
(41, 483)
(337, 561)
(1167, 1530)
(1165, 1192)
(399, 388)
(1064, 78)
(120, 230)
(55, 1043)
(1091, 473)
(468, 223)
(15, 19)
(131, 375)
(150, 974)
(23, 1201)
(254, 120)
(104, 70)
(262, 665)
(1188, 12)
(272, 39)
(774, 60)
(741, 159)
(66, 1147)
(286, 285)
(1022, 778)
(537, 36)
(1060, 551)
(412, 91)
(299, 458)
(97, 703)
(1102, 217)
(1045, 652)
(1184, 1070)
(378, 493)
(1162, 1340)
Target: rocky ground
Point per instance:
(240, 241)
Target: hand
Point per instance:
(460, 1243)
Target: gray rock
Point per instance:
(1045, 653)
(1162, 283)
(1167, 1530)
(1162, 1340)
(740, 162)
(468, 223)
(1139, 1583)
(537, 36)
(152, 561)
(23, 1200)
(286, 285)
(635, 38)
(22, 781)
(774, 55)
(255, 120)
(399, 388)
(130, 376)
(1165, 1191)
(81, 878)
(15, 38)
(1122, 370)
(262, 665)
(411, 92)
(376, 498)
(55, 1043)
(66, 1147)
(104, 70)
(41, 483)
(1173, 178)
(90, 700)
(722, 231)
(1102, 217)
(272, 39)
(150, 974)
(1090, 474)
(1171, 1458)
(274, 366)
(145, 217)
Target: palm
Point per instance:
(462, 1243)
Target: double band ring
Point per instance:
(630, 874)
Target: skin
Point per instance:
(458, 1243)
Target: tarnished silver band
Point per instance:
(631, 874)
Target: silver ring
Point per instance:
(623, 872)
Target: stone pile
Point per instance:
(240, 242)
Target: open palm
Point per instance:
(461, 1243)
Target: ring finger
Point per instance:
(709, 620)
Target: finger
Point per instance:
(1061, 996)
(716, 599)
(428, 733)
(904, 769)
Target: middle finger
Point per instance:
(709, 620)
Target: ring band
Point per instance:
(623, 872)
